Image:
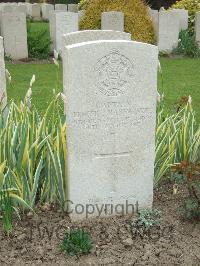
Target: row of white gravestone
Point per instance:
(3, 94)
(32, 10)
(47, 8)
(37, 11)
(62, 22)
(167, 26)
(110, 87)
(13, 29)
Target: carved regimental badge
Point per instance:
(113, 74)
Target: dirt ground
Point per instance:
(35, 241)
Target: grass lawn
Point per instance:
(47, 80)
(38, 26)
(180, 77)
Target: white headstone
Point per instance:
(65, 22)
(94, 35)
(73, 8)
(155, 20)
(34, 11)
(13, 29)
(112, 21)
(62, 7)
(52, 27)
(7, 8)
(27, 5)
(168, 31)
(183, 18)
(110, 88)
(52, 23)
(197, 27)
(46, 8)
(3, 95)
(22, 8)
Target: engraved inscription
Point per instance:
(113, 73)
(111, 115)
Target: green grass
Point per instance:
(38, 38)
(37, 26)
(46, 82)
(181, 77)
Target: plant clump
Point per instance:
(137, 20)
(187, 44)
(76, 242)
(190, 172)
(39, 42)
(148, 218)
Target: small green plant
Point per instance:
(8, 58)
(191, 172)
(187, 45)
(178, 178)
(148, 218)
(6, 209)
(177, 138)
(190, 209)
(9, 198)
(76, 242)
(38, 43)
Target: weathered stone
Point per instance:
(110, 88)
(112, 21)
(63, 22)
(52, 27)
(62, 7)
(46, 8)
(73, 8)
(7, 8)
(168, 31)
(155, 19)
(13, 29)
(128, 242)
(34, 11)
(183, 18)
(22, 8)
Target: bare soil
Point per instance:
(35, 240)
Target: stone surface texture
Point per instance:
(14, 32)
(168, 31)
(110, 87)
(112, 20)
(94, 35)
